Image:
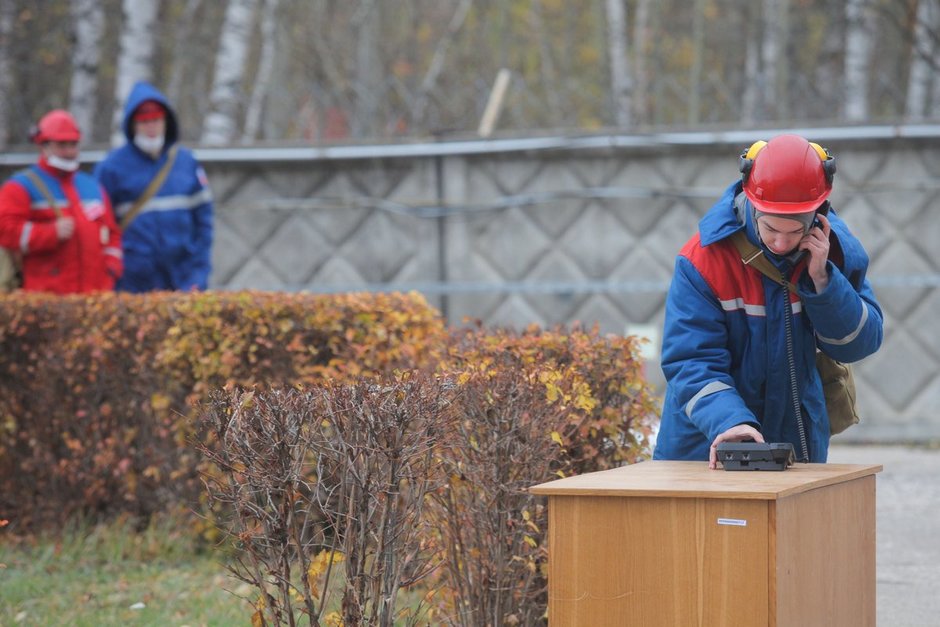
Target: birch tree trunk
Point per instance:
(368, 70)
(933, 107)
(925, 64)
(181, 38)
(770, 51)
(858, 48)
(620, 86)
(782, 61)
(641, 88)
(221, 123)
(265, 70)
(754, 78)
(657, 84)
(695, 73)
(88, 18)
(6, 68)
(135, 57)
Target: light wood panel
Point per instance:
(674, 543)
(825, 563)
(693, 479)
(650, 561)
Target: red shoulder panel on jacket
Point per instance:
(721, 267)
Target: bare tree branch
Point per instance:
(436, 66)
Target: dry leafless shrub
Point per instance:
(490, 527)
(325, 490)
(420, 483)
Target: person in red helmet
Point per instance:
(739, 347)
(59, 219)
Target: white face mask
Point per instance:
(66, 165)
(150, 145)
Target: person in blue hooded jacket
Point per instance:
(739, 349)
(167, 238)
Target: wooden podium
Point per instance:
(674, 543)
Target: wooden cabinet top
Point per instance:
(695, 480)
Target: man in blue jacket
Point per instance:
(739, 349)
(161, 197)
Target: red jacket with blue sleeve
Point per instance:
(725, 353)
(89, 260)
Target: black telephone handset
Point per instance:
(823, 210)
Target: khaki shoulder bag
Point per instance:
(837, 379)
(9, 271)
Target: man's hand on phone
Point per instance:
(816, 244)
(737, 433)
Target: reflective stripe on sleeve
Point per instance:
(24, 237)
(733, 304)
(851, 336)
(711, 388)
(176, 202)
(738, 303)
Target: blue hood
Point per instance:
(141, 92)
(724, 218)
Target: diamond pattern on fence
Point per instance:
(268, 238)
(511, 244)
(574, 219)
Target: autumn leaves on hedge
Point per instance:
(99, 395)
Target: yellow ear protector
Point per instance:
(828, 161)
(746, 160)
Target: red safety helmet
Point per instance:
(57, 126)
(787, 175)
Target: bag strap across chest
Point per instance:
(40, 185)
(155, 184)
(753, 256)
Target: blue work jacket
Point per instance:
(724, 338)
(167, 246)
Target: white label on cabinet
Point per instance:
(737, 522)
